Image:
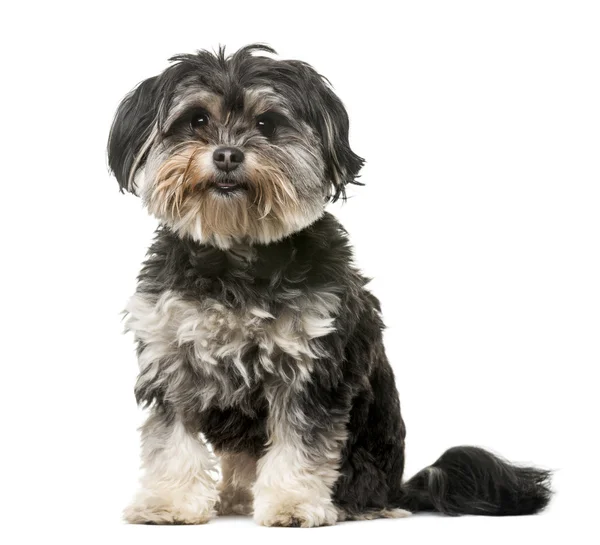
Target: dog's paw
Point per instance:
(149, 508)
(294, 513)
(235, 501)
(388, 513)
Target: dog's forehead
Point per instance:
(263, 98)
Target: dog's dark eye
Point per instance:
(267, 124)
(199, 119)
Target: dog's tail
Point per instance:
(472, 481)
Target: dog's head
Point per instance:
(239, 148)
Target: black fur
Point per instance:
(357, 383)
(351, 388)
(470, 480)
(131, 128)
(310, 93)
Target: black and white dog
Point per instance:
(254, 329)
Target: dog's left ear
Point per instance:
(131, 132)
(330, 119)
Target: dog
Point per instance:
(259, 346)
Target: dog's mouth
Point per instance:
(228, 186)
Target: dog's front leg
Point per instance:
(177, 486)
(296, 475)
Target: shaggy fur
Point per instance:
(255, 332)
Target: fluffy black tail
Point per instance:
(472, 481)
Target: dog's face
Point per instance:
(244, 148)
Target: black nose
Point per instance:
(228, 159)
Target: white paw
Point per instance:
(294, 512)
(154, 507)
(388, 513)
(395, 513)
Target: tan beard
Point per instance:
(267, 209)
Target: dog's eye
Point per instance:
(267, 124)
(199, 119)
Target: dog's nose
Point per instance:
(228, 159)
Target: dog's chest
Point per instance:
(229, 347)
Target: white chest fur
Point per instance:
(214, 334)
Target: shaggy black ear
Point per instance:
(331, 121)
(131, 132)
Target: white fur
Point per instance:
(293, 488)
(177, 485)
(169, 323)
(394, 513)
(294, 484)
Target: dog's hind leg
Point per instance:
(235, 488)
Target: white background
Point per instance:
(479, 221)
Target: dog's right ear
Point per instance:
(132, 132)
